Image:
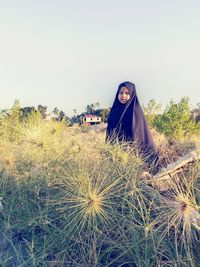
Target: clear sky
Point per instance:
(70, 53)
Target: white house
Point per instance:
(91, 119)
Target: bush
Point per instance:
(176, 121)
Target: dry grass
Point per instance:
(69, 199)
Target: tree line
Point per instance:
(176, 121)
(24, 112)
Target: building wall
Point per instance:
(91, 119)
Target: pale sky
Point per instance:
(71, 53)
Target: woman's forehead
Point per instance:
(124, 88)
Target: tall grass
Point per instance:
(69, 199)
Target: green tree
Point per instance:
(56, 111)
(104, 113)
(196, 113)
(42, 110)
(90, 109)
(176, 121)
(26, 111)
(9, 122)
(62, 116)
(151, 110)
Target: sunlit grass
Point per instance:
(182, 210)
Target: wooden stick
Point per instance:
(168, 177)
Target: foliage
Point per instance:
(151, 110)
(42, 110)
(176, 121)
(12, 119)
(9, 122)
(104, 114)
(61, 116)
(196, 113)
(91, 108)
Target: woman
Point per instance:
(127, 123)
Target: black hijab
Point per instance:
(127, 122)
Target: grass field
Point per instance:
(69, 199)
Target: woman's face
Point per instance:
(123, 95)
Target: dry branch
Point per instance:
(168, 177)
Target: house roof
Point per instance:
(91, 116)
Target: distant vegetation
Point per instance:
(23, 112)
(175, 122)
